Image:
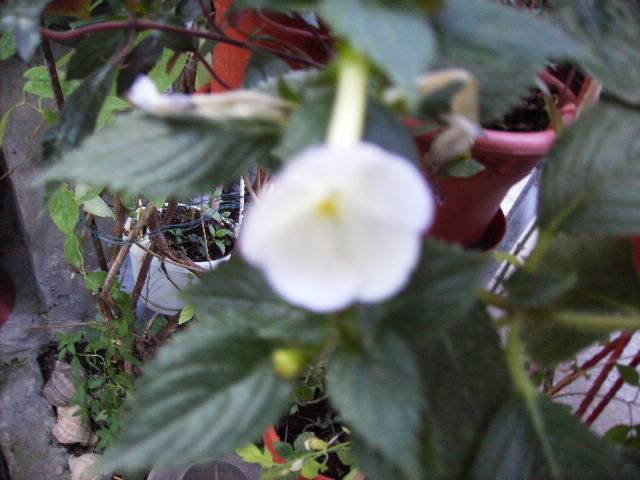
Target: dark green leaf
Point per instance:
(367, 388)
(461, 167)
(629, 374)
(590, 183)
(560, 448)
(441, 291)
(79, 115)
(203, 396)
(64, 209)
(167, 157)
(502, 46)
(263, 66)
(606, 281)
(284, 449)
(95, 280)
(610, 31)
(397, 37)
(237, 296)
(384, 129)
(93, 53)
(139, 61)
(538, 289)
(22, 18)
(466, 380)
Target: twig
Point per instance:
(604, 373)
(168, 260)
(142, 275)
(53, 73)
(27, 154)
(143, 25)
(584, 367)
(211, 70)
(252, 192)
(121, 213)
(150, 324)
(204, 233)
(97, 245)
(122, 253)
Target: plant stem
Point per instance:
(142, 25)
(53, 73)
(349, 108)
(596, 321)
(493, 299)
(211, 70)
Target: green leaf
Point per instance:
(5, 119)
(461, 167)
(502, 46)
(465, 377)
(263, 66)
(284, 449)
(79, 115)
(384, 129)
(590, 181)
(95, 280)
(629, 374)
(610, 31)
(253, 454)
(538, 289)
(606, 282)
(384, 31)
(139, 61)
(237, 296)
(204, 395)
(441, 290)
(167, 157)
(513, 447)
(93, 53)
(161, 75)
(186, 314)
(7, 46)
(22, 18)
(73, 250)
(64, 209)
(112, 105)
(388, 373)
(310, 468)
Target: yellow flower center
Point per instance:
(328, 208)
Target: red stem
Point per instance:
(612, 392)
(141, 25)
(211, 70)
(604, 373)
(585, 366)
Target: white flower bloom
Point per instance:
(341, 224)
(233, 104)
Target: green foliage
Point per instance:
(176, 415)
(376, 28)
(514, 448)
(590, 183)
(503, 47)
(610, 30)
(93, 53)
(7, 47)
(101, 349)
(168, 156)
(388, 372)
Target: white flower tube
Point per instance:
(341, 224)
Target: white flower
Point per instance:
(235, 104)
(341, 224)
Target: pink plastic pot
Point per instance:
(270, 436)
(470, 205)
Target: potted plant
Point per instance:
(202, 235)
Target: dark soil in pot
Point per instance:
(320, 419)
(186, 234)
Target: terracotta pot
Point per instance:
(273, 30)
(270, 436)
(469, 205)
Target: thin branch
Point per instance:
(211, 70)
(97, 245)
(142, 276)
(121, 214)
(143, 25)
(53, 73)
(27, 154)
(168, 260)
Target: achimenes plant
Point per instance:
(332, 264)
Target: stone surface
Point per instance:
(25, 425)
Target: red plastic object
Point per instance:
(470, 204)
(270, 436)
(277, 31)
(7, 297)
